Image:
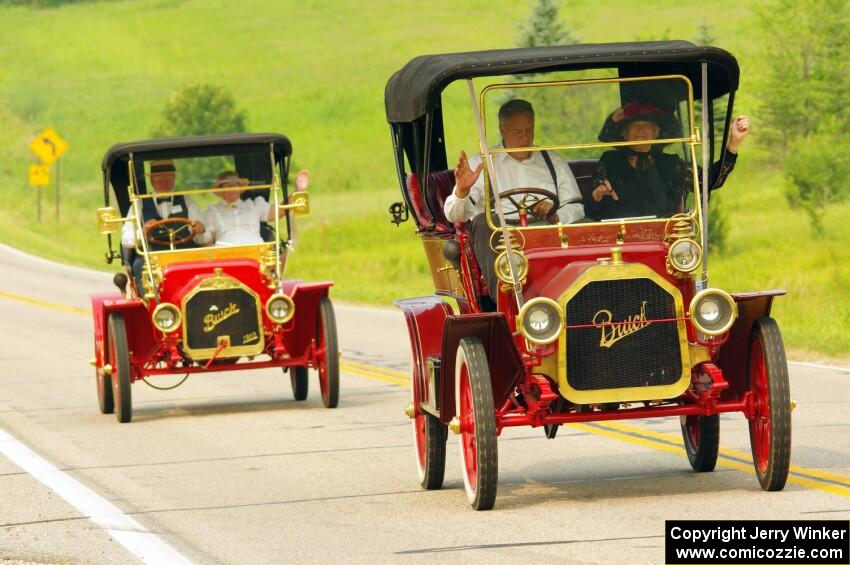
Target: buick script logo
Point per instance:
(217, 316)
(612, 332)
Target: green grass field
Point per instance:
(100, 73)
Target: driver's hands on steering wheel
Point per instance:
(543, 210)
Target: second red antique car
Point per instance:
(605, 316)
(189, 304)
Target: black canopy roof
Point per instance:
(195, 146)
(244, 146)
(415, 89)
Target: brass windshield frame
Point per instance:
(252, 249)
(692, 141)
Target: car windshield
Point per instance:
(615, 148)
(182, 192)
(251, 171)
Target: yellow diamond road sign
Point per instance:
(48, 146)
(39, 175)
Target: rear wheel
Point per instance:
(429, 437)
(329, 365)
(702, 440)
(105, 400)
(300, 383)
(119, 358)
(475, 410)
(770, 427)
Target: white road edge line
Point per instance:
(820, 366)
(123, 529)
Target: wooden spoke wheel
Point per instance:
(475, 409)
(119, 358)
(329, 363)
(770, 426)
(702, 440)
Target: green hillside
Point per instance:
(100, 73)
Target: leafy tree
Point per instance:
(200, 109)
(804, 110)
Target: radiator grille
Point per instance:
(640, 354)
(215, 313)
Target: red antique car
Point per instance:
(603, 312)
(196, 300)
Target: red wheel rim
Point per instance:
(323, 362)
(467, 430)
(692, 429)
(116, 390)
(760, 424)
(323, 377)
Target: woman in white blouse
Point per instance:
(233, 221)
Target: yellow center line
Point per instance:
(801, 476)
(43, 304)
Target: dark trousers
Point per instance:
(479, 235)
(138, 263)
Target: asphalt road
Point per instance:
(229, 469)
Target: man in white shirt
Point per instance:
(162, 177)
(233, 221)
(527, 169)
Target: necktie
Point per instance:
(163, 199)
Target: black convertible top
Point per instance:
(195, 146)
(244, 146)
(415, 89)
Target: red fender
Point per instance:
(506, 366)
(425, 319)
(732, 357)
(136, 318)
(305, 323)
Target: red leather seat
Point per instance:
(429, 207)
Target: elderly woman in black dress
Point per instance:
(642, 180)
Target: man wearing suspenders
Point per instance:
(534, 169)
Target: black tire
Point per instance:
(476, 410)
(770, 429)
(329, 367)
(119, 358)
(105, 399)
(429, 444)
(298, 376)
(702, 441)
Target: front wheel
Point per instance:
(770, 426)
(119, 358)
(105, 400)
(475, 409)
(329, 365)
(702, 441)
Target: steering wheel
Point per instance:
(160, 233)
(528, 198)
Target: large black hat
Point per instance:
(635, 111)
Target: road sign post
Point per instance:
(39, 176)
(48, 147)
